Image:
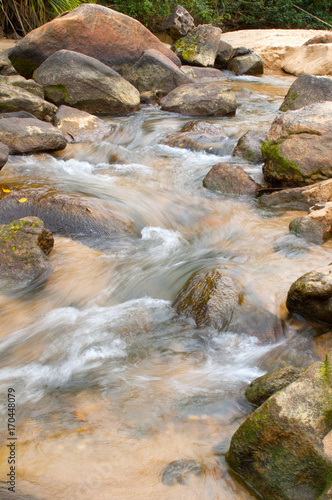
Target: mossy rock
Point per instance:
(298, 148)
(264, 387)
(24, 246)
(199, 47)
(281, 449)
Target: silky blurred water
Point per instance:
(111, 384)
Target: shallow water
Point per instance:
(111, 384)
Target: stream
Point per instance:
(111, 384)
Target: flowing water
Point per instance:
(111, 384)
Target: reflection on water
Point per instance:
(112, 384)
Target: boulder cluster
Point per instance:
(94, 61)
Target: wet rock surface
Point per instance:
(264, 387)
(311, 295)
(280, 449)
(301, 198)
(209, 297)
(112, 38)
(306, 90)
(24, 246)
(80, 126)
(13, 98)
(29, 135)
(66, 213)
(201, 99)
(297, 150)
(316, 227)
(180, 471)
(85, 83)
(229, 179)
(199, 135)
(249, 146)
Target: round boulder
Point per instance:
(209, 297)
(85, 83)
(29, 135)
(201, 99)
(306, 90)
(229, 179)
(248, 64)
(154, 71)
(113, 38)
(311, 295)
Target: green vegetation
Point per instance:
(21, 16)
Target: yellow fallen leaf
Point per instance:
(22, 200)
(6, 190)
(88, 209)
(182, 143)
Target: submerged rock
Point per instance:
(29, 135)
(306, 90)
(229, 179)
(179, 471)
(80, 126)
(283, 449)
(24, 246)
(209, 297)
(311, 295)
(212, 298)
(67, 213)
(156, 72)
(113, 38)
(264, 387)
(298, 148)
(85, 83)
(249, 146)
(316, 227)
(201, 99)
(179, 23)
(13, 98)
(200, 46)
(198, 135)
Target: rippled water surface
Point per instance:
(112, 385)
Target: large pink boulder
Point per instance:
(113, 38)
